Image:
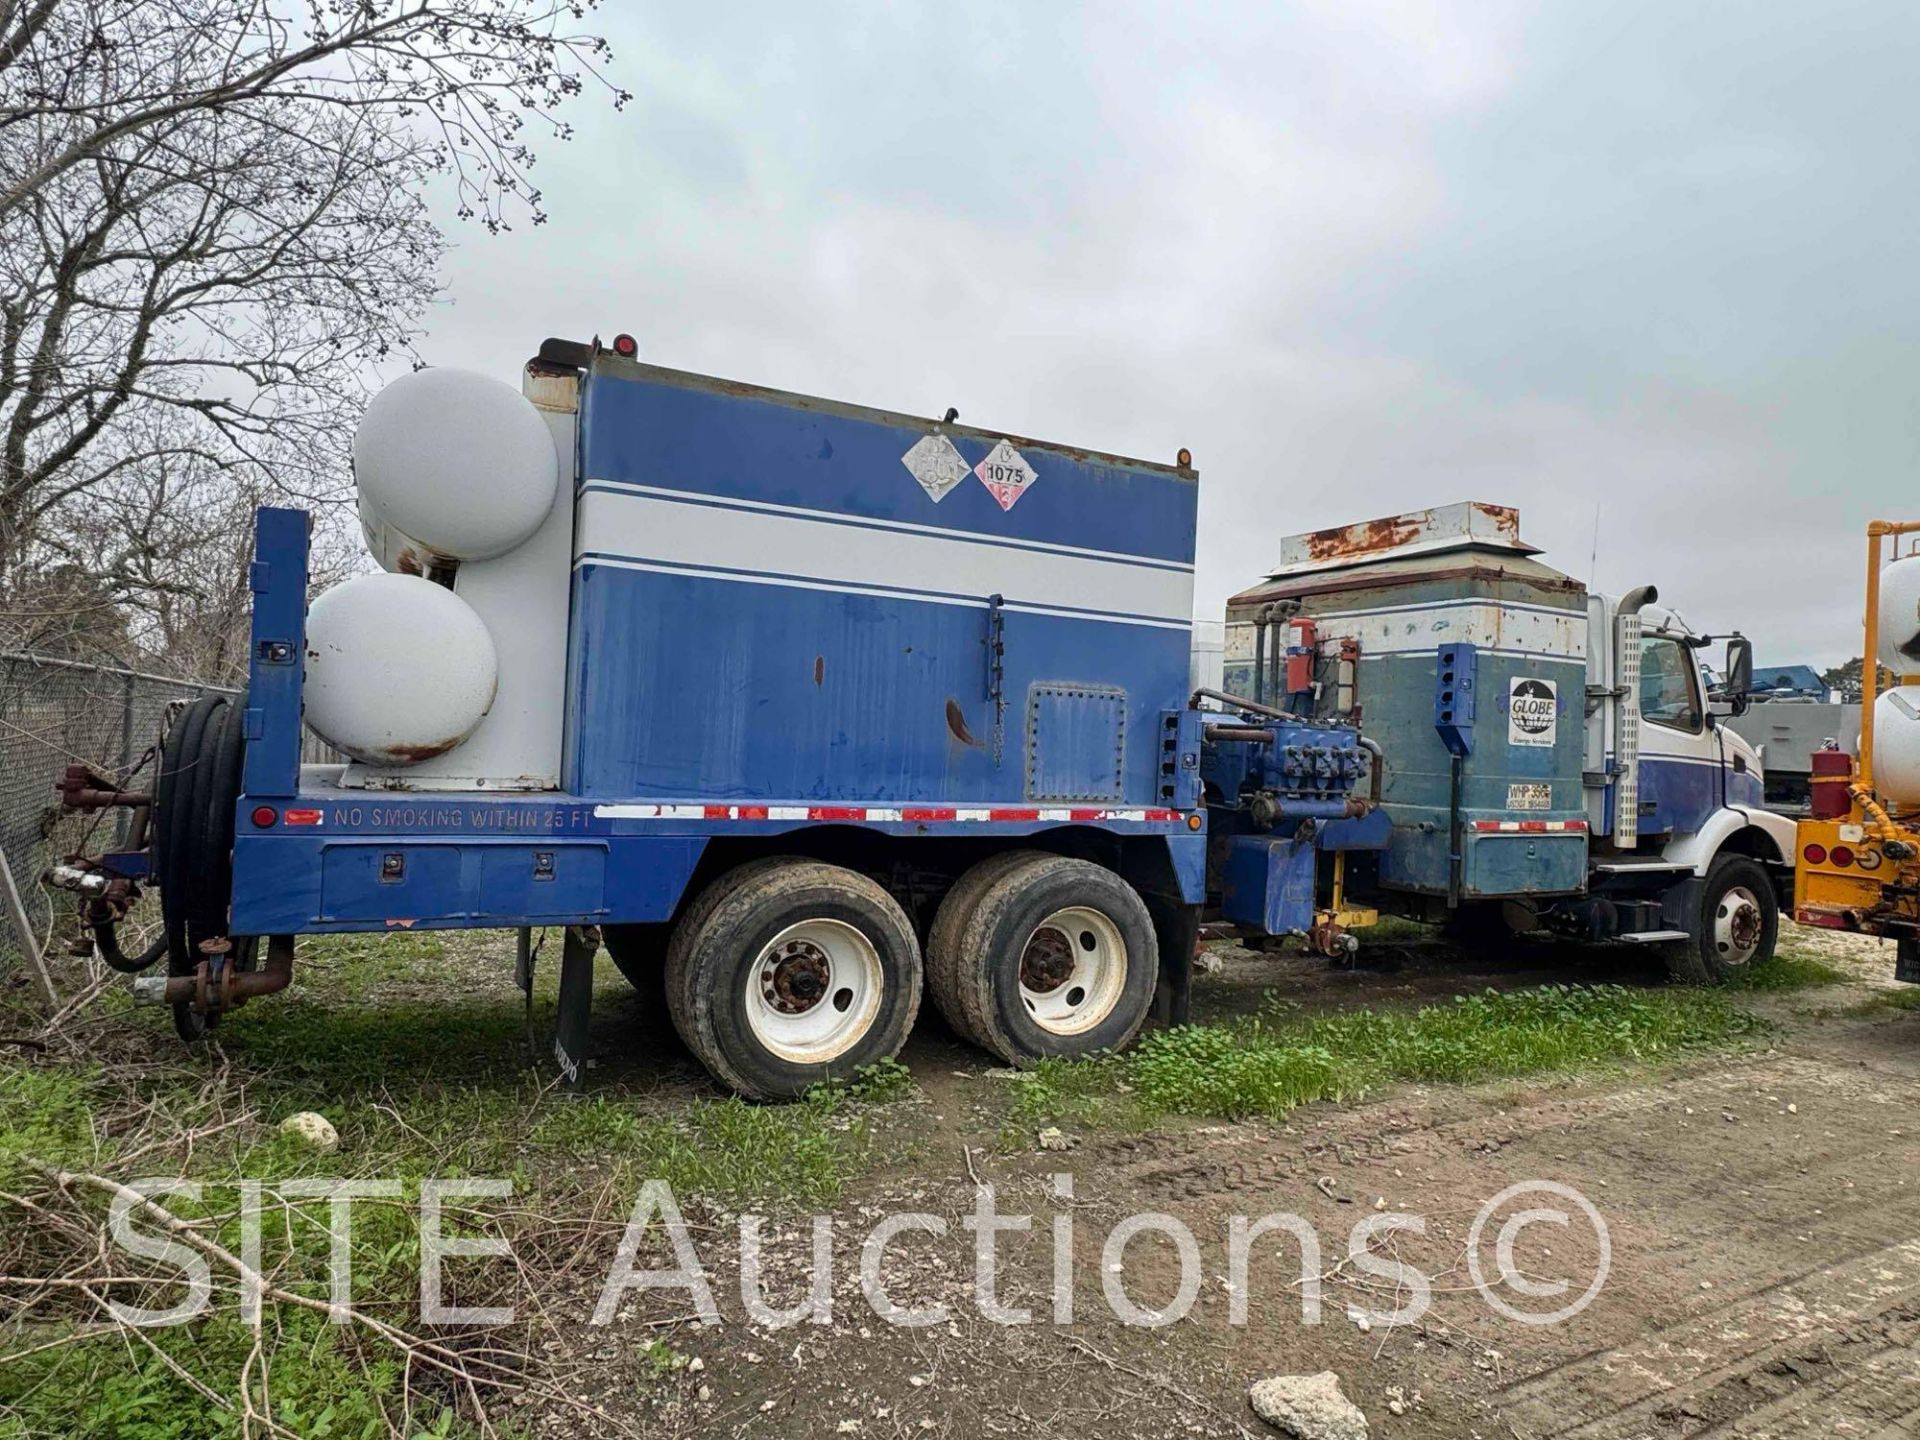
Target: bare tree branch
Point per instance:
(213, 230)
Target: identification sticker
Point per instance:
(1533, 712)
(1530, 796)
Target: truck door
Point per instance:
(1681, 776)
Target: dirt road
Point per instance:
(1762, 1208)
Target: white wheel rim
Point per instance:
(1738, 923)
(813, 991)
(1073, 969)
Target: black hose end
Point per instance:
(106, 938)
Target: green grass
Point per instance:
(44, 1113)
(722, 1149)
(1787, 970)
(1270, 1065)
(1285, 1058)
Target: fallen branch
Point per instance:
(467, 1372)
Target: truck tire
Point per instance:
(1038, 956)
(1736, 925)
(785, 973)
(639, 953)
(946, 954)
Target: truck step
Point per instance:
(1641, 867)
(1653, 937)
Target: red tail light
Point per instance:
(1841, 855)
(264, 816)
(1814, 854)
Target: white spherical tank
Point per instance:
(399, 669)
(1900, 616)
(457, 462)
(1896, 746)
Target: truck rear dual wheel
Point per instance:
(785, 973)
(1736, 926)
(1036, 956)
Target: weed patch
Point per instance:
(1786, 970)
(1284, 1058)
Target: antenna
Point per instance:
(1593, 564)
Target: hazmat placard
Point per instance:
(1006, 474)
(1533, 711)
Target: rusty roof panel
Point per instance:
(1470, 524)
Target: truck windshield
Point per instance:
(1666, 684)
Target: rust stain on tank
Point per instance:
(414, 754)
(819, 669)
(1347, 540)
(408, 563)
(957, 723)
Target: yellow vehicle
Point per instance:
(1859, 850)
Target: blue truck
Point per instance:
(1554, 758)
(801, 710)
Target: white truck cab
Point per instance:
(1683, 851)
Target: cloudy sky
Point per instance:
(1650, 263)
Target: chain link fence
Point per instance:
(55, 713)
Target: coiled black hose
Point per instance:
(193, 819)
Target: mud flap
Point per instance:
(576, 1001)
(1176, 928)
(1906, 959)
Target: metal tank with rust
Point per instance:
(1464, 658)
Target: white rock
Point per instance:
(315, 1129)
(1308, 1407)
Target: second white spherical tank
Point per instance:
(458, 462)
(1900, 616)
(399, 669)
(1896, 746)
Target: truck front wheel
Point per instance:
(786, 973)
(1736, 925)
(1036, 955)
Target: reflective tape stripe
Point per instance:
(1528, 827)
(886, 814)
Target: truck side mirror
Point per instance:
(1739, 682)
